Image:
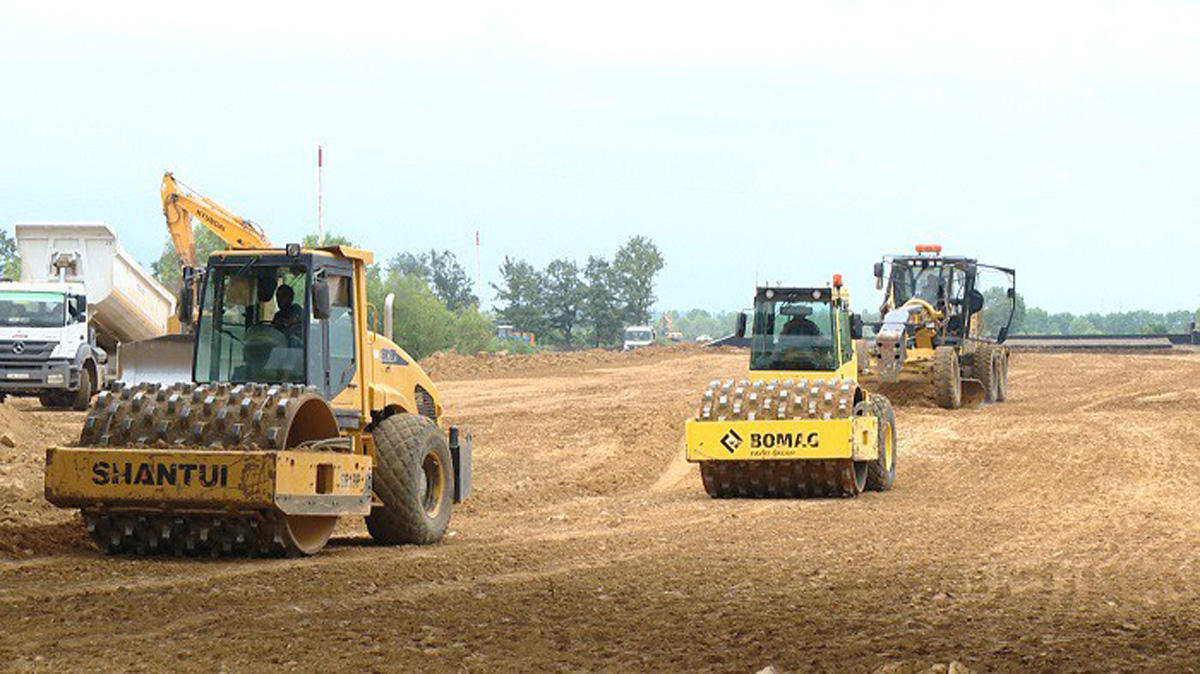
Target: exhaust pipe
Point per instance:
(388, 303)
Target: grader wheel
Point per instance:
(199, 416)
(1002, 378)
(947, 378)
(985, 363)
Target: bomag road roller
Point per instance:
(944, 323)
(297, 414)
(801, 425)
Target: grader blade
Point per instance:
(973, 393)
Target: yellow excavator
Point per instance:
(295, 413)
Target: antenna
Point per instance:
(320, 185)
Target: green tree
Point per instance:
(636, 264)
(331, 239)
(600, 308)
(1079, 325)
(168, 268)
(521, 291)
(442, 272)
(996, 308)
(564, 294)
(422, 324)
(10, 261)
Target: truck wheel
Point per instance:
(947, 379)
(414, 479)
(83, 397)
(985, 365)
(881, 473)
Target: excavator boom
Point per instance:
(181, 205)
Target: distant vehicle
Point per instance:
(80, 295)
(509, 332)
(638, 335)
(704, 338)
(671, 333)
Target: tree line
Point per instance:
(566, 303)
(436, 308)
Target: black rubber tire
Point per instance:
(48, 400)
(81, 398)
(947, 378)
(881, 475)
(1002, 379)
(984, 365)
(403, 443)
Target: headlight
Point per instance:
(54, 378)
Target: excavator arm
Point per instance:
(181, 205)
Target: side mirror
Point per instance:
(879, 276)
(739, 329)
(1012, 293)
(856, 326)
(320, 299)
(1003, 335)
(184, 305)
(974, 302)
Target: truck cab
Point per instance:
(638, 336)
(47, 348)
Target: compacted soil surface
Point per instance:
(1059, 530)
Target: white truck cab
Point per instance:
(638, 335)
(46, 345)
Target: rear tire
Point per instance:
(947, 379)
(1002, 379)
(881, 473)
(413, 476)
(83, 397)
(985, 365)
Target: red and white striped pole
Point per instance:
(478, 272)
(320, 185)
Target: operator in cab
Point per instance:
(800, 324)
(289, 319)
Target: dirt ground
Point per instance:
(1056, 532)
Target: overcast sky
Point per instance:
(788, 141)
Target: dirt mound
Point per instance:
(450, 366)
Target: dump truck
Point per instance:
(297, 412)
(944, 323)
(801, 424)
(79, 297)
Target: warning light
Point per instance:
(929, 248)
(837, 280)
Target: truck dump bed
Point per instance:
(125, 302)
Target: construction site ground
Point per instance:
(1057, 531)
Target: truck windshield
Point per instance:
(792, 335)
(253, 323)
(637, 336)
(32, 309)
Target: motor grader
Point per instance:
(801, 425)
(936, 332)
(296, 414)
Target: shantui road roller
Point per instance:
(944, 323)
(296, 414)
(801, 425)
